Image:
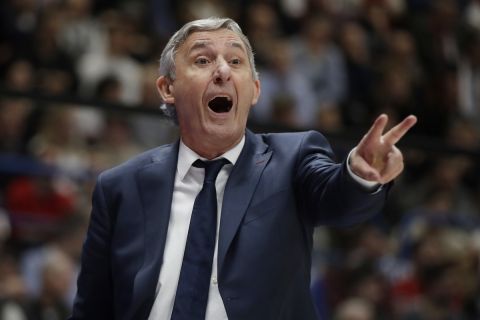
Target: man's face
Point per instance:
(213, 91)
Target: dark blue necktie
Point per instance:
(192, 291)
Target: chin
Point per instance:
(224, 133)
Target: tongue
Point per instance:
(220, 104)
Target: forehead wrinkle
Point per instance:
(200, 44)
(236, 44)
(205, 44)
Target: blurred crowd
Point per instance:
(329, 65)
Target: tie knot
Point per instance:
(212, 168)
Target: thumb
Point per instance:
(362, 168)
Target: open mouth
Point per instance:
(220, 104)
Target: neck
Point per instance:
(210, 149)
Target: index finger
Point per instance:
(376, 130)
(397, 132)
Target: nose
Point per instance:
(222, 72)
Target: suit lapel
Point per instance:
(156, 181)
(240, 187)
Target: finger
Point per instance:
(376, 130)
(397, 132)
(391, 174)
(363, 169)
(393, 166)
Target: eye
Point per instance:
(235, 61)
(202, 61)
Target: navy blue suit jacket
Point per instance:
(281, 187)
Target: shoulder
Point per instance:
(289, 140)
(302, 147)
(131, 166)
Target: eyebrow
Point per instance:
(202, 44)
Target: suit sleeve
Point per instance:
(94, 299)
(325, 190)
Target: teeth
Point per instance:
(226, 97)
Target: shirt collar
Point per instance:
(186, 157)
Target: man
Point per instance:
(138, 261)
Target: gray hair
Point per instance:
(167, 59)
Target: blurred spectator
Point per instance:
(360, 74)
(5, 228)
(81, 32)
(402, 52)
(66, 241)
(114, 61)
(14, 114)
(366, 263)
(150, 96)
(395, 94)
(55, 68)
(109, 89)
(400, 76)
(89, 123)
(38, 206)
(57, 143)
(464, 132)
(151, 131)
(317, 57)
(437, 34)
(354, 309)
(116, 144)
(339, 9)
(445, 176)
(162, 17)
(57, 273)
(469, 78)
(472, 14)
(287, 97)
(262, 26)
(200, 9)
(20, 75)
(13, 294)
(378, 21)
(439, 282)
(436, 212)
(18, 21)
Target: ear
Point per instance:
(256, 91)
(165, 88)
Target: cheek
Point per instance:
(188, 92)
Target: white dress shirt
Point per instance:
(188, 183)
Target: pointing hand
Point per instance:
(376, 158)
